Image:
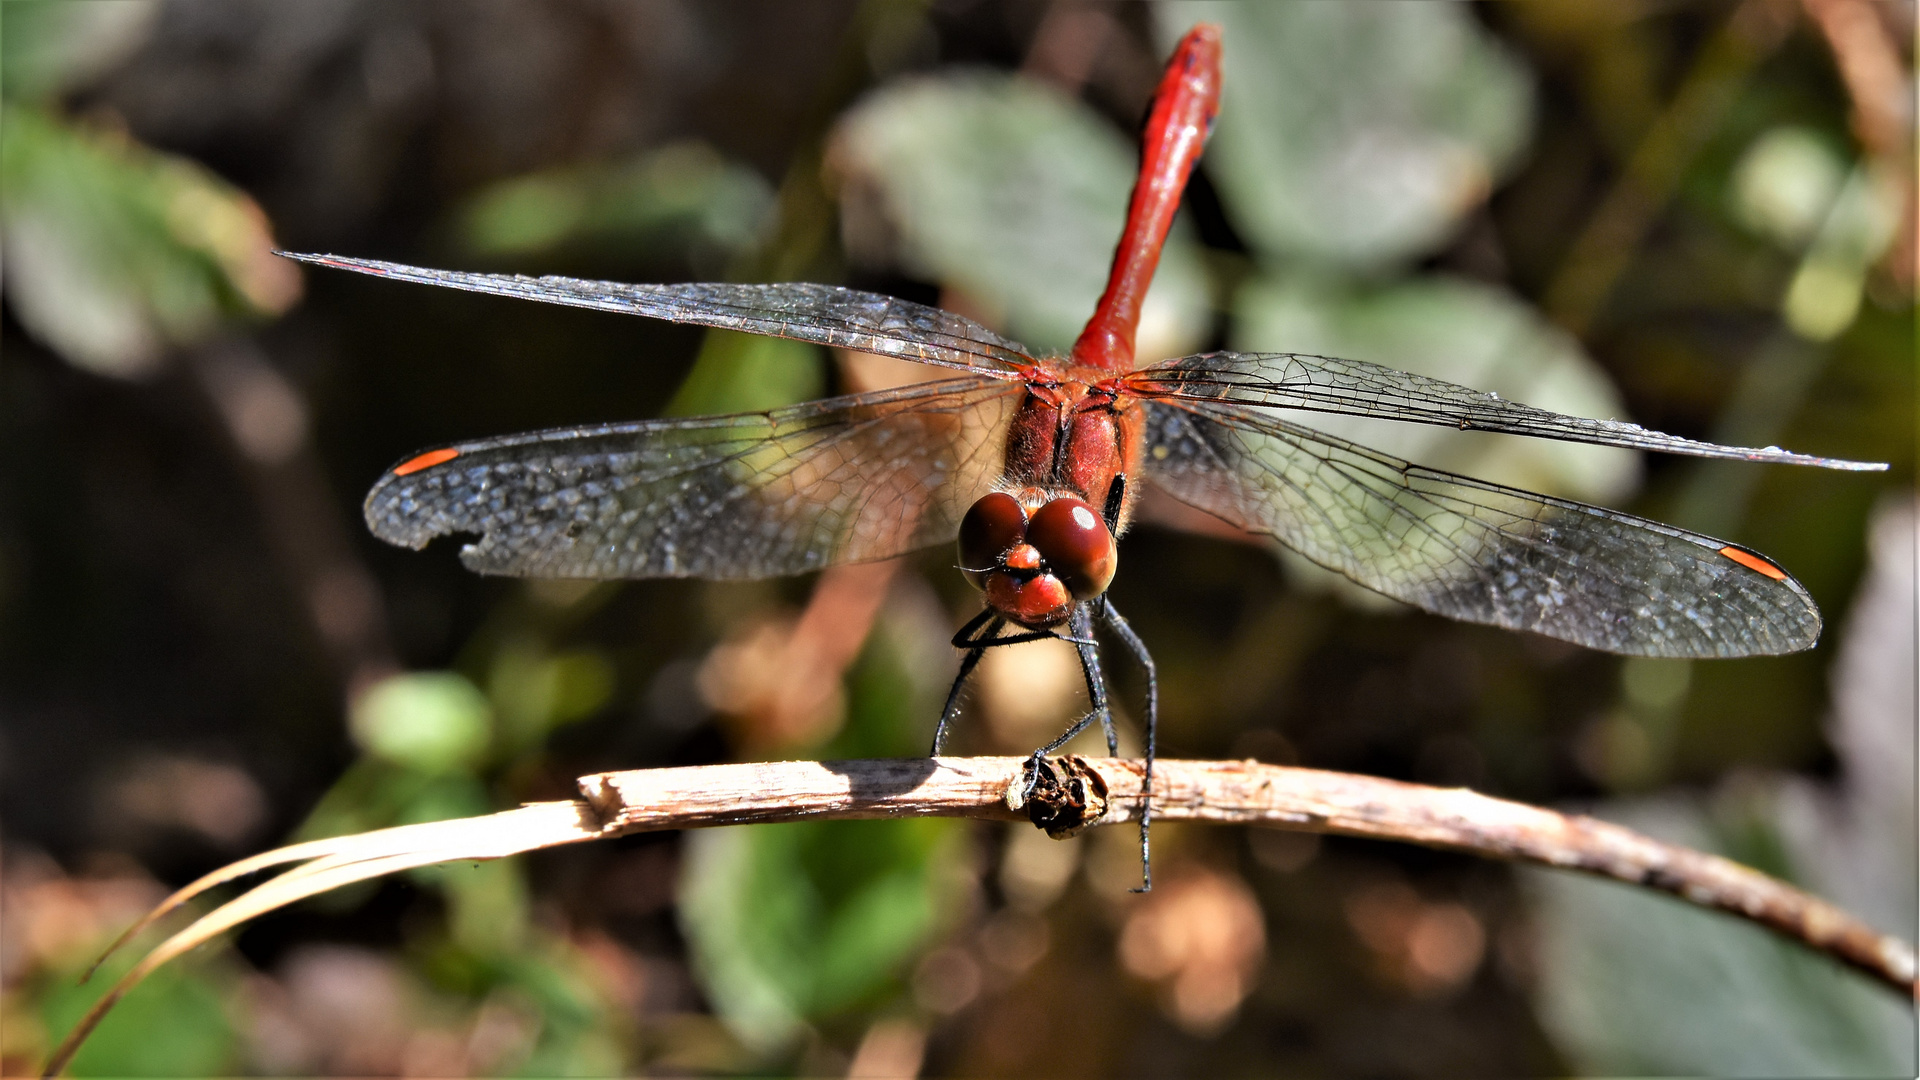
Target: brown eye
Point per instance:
(1076, 544)
(993, 524)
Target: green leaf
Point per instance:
(174, 1024)
(487, 903)
(55, 45)
(375, 793)
(1003, 189)
(579, 1029)
(534, 693)
(1357, 134)
(1785, 185)
(1469, 333)
(1465, 332)
(1824, 297)
(428, 721)
(791, 925)
(680, 195)
(738, 372)
(1633, 983)
(116, 252)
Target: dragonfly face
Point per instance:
(1034, 567)
(1034, 462)
(1038, 546)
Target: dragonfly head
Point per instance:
(1034, 567)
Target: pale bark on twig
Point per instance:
(1249, 793)
(1223, 792)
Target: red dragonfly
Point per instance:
(1035, 463)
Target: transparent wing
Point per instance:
(747, 496)
(821, 314)
(1476, 551)
(1354, 387)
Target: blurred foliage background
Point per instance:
(1695, 213)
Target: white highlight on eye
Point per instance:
(1084, 518)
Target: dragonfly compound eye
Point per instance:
(1076, 546)
(994, 525)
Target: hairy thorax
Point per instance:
(1074, 433)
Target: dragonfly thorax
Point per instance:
(1073, 435)
(1035, 566)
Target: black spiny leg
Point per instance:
(1117, 498)
(1089, 651)
(976, 641)
(1138, 648)
(1082, 630)
(985, 638)
(967, 664)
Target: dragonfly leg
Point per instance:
(1096, 692)
(979, 635)
(1122, 630)
(967, 664)
(976, 640)
(968, 638)
(1020, 639)
(1089, 651)
(965, 639)
(1082, 629)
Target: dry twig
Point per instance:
(1225, 792)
